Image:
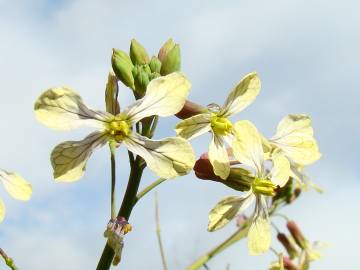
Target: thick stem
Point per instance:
(238, 235)
(125, 209)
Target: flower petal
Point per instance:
(168, 158)
(62, 109)
(295, 137)
(111, 94)
(194, 126)
(280, 171)
(15, 185)
(164, 96)
(247, 146)
(2, 210)
(259, 235)
(225, 210)
(69, 158)
(242, 95)
(218, 157)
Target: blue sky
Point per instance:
(306, 54)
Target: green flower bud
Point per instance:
(141, 82)
(147, 69)
(172, 61)
(155, 64)
(165, 49)
(153, 76)
(138, 53)
(122, 66)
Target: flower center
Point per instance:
(263, 187)
(119, 129)
(220, 125)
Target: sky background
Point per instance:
(307, 56)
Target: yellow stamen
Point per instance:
(119, 128)
(220, 125)
(263, 187)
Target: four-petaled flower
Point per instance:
(63, 109)
(16, 186)
(248, 150)
(215, 119)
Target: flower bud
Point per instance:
(141, 82)
(172, 61)
(288, 264)
(169, 44)
(190, 109)
(123, 67)
(296, 234)
(288, 245)
(138, 53)
(155, 64)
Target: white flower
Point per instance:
(63, 109)
(215, 119)
(16, 186)
(247, 148)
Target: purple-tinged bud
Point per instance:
(289, 265)
(297, 234)
(190, 109)
(290, 248)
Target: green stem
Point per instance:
(158, 232)
(148, 188)
(9, 262)
(113, 184)
(125, 209)
(238, 235)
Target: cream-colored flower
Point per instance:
(16, 186)
(215, 119)
(247, 148)
(63, 109)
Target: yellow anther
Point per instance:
(127, 228)
(220, 125)
(119, 129)
(264, 187)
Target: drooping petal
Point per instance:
(194, 126)
(225, 210)
(111, 94)
(62, 109)
(168, 158)
(15, 185)
(2, 210)
(259, 235)
(218, 157)
(164, 96)
(295, 137)
(242, 95)
(280, 171)
(69, 158)
(247, 146)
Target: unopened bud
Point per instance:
(155, 64)
(288, 264)
(169, 44)
(190, 109)
(297, 234)
(172, 61)
(122, 66)
(141, 82)
(138, 53)
(288, 245)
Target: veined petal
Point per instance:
(15, 185)
(247, 146)
(259, 235)
(62, 109)
(295, 137)
(242, 95)
(168, 158)
(2, 210)
(218, 157)
(280, 171)
(164, 96)
(225, 210)
(69, 158)
(194, 126)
